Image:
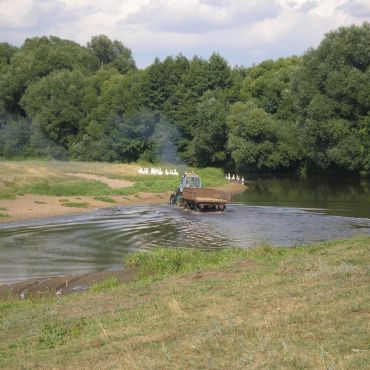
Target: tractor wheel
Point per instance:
(172, 199)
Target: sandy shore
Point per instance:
(30, 206)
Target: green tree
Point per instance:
(112, 52)
(257, 141)
(7, 51)
(210, 133)
(55, 102)
(38, 57)
(269, 85)
(332, 89)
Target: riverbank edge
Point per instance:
(31, 207)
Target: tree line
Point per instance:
(61, 100)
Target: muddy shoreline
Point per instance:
(68, 284)
(61, 285)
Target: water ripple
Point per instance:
(99, 240)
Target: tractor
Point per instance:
(191, 195)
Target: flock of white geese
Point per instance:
(173, 172)
(157, 171)
(235, 178)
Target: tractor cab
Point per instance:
(189, 180)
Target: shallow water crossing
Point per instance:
(99, 240)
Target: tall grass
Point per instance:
(162, 262)
(107, 284)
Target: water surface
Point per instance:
(340, 196)
(281, 211)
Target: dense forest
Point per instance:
(61, 100)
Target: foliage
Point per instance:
(36, 58)
(61, 100)
(333, 89)
(258, 141)
(208, 146)
(55, 103)
(112, 52)
(268, 85)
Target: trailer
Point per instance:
(191, 195)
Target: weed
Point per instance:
(7, 196)
(59, 332)
(3, 209)
(4, 215)
(165, 261)
(76, 205)
(39, 202)
(105, 199)
(109, 283)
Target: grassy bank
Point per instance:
(277, 308)
(56, 178)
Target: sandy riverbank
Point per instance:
(30, 206)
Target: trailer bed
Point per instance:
(205, 196)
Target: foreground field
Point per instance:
(271, 308)
(30, 189)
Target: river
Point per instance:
(283, 211)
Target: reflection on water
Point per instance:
(339, 196)
(99, 240)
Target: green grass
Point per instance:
(105, 199)
(68, 188)
(211, 177)
(263, 308)
(3, 209)
(59, 332)
(51, 178)
(4, 215)
(7, 195)
(162, 262)
(39, 202)
(151, 184)
(76, 204)
(109, 283)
